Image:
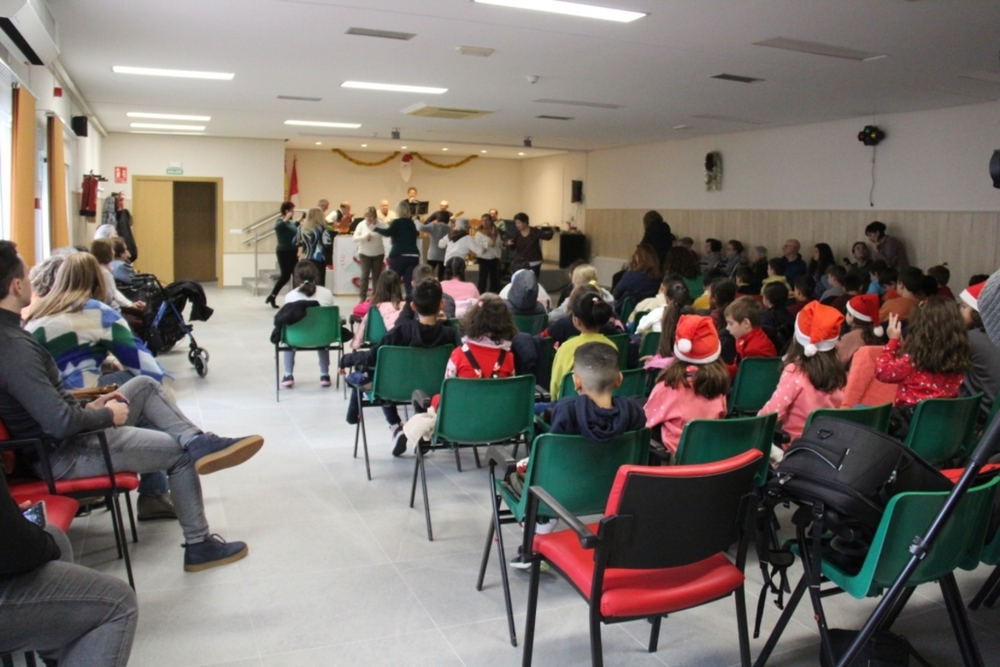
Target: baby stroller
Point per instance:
(165, 324)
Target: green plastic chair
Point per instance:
(531, 324)
(399, 371)
(462, 421)
(374, 326)
(621, 342)
(971, 444)
(633, 384)
(908, 515)
(628, 305)
(876, 417)
(710, 440)
(755, 382)
(318, 330)
(990, 591)
(650, 344)
(579, 473)
(942, 427)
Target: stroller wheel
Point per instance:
(200, 366)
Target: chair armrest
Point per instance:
(421, 401)
(497, 456)
(587, 539)
(36, 444)
(102, 440)
(542, 394)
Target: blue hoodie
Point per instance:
(578, 415)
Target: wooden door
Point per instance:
(153, 226)
(195, 230)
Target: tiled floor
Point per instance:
(340, 571)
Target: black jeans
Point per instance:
(404, 265)
(489, 276)
(438, 266)
(321, 270)
(287, 259)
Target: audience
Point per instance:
(942, 275)
(121, 266)
(776, 268)
(683, 262)
(641, 280)
(712, 259)
(543, 296)
(590, 317)
(822, 259)
(776, 321)
(796, 265)
(743, 319)
(862, 318)
(522, 297)
(803, 291)
(984, 376)
(861, 266)
(734, 257)
(678, 304)
(421, 273)
(912, 286)
(462, 291)
(835, 277)
(889, 249)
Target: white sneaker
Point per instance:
(546, 528)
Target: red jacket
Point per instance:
(487, 356)
(913, 385)
(754, 344)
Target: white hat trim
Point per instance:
(969, 299)
(692, 360)
(807, 344)
(856, 314)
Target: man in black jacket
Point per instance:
(657, 234)
(68, 613)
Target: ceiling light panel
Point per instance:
(478, 51)
(178, 73)
(547, 117)
(165, 126)
(569, 9)
(317, 123)
(819, 49)
(172, 134)
(737, 78)
(393, 87)
(574, 103)
(729, 119)
(297, 98)
(167, 116)
(384, 34)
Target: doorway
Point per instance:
(195, 225)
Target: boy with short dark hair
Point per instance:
(723, 294)
(743, 320)
(776, 267)
(421, 273)
(805, 287)
(425, 331)
(744, 280)
(942, 274)
(704, 302)
(835, 276)
(852, 288)
(912, 286)
(775, 320)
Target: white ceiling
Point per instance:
(658, 68)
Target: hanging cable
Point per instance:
(871, 193)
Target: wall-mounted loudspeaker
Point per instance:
(577, 195)
(995, 168)
(79, 125)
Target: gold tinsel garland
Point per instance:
(360, 163)
(444, 166)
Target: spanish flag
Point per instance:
(292, 183)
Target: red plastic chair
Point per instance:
(632, 564)
(110, 486)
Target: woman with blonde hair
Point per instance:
(584, 274)
(311, 242)
(371, 249)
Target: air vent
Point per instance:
(384, 34)
(547, 117)
(445, 113)
(296, 98)
(478, 51)
(729, 119)
(737, 78)
(574, 103)
(819, 49)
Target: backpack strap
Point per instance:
(475, 364)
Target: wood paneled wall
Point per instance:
(58, 223)
(22, 230)
(967, 241)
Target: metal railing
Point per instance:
(257, 237)
(269, 218)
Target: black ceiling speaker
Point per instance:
(79, 125)
(995, 168)
(871, 135)
(577, 192)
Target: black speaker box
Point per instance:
(577, 195)
(995, 168)
(79, 125)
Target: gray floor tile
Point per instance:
(419, 649)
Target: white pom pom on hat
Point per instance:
(684, 345)
(878, 331)
(810, 350)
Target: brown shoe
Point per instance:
(212, 453)
(155, 507)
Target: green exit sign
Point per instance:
(175, 171)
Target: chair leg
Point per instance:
(277, 377)
(427, 502)
(475, 452)
(989, 587)
(116, 516)
(364, 435)
(596, 648)
(486, 555)
(458, 460)
(897, 609)
(131, 517)
(119, 536)
(971, 656)
(529, 623)
(7, 660)
(654, 633)
(779, 627)
(741, 620)
(416, 472)
(29, 659)
(502, 556)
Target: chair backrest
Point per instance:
(621, 342)
(940, 427)
(531, 324)
(649, 507)
(399, 371)
(374, 326)
(319, 328)
(483, 411)
(650, 344)
(628, 305)
(909, 514)
(578, 472)
(708, 440)
(633, 384)
(756, 380)
(876, 417)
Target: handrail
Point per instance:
(259, 237)
(270, 218)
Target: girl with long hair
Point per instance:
(307, 288)
(387, 299)
(311, 241)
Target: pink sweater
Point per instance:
(795, 398)
(673, 408)
(389, 313)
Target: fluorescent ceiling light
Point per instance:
(319, 143)
(444, 149)
(167, 116)
(820, 49)
(394, 88)
(165, 126)
(179, 73)
(174, 134)
(520, 153)
(482, 151)
(364, 145)
(569, 9)
(316, 123)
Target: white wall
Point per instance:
(930, 160)
(251, 169)
(546, 188)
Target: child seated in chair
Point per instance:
(743, 318)
(425, 331)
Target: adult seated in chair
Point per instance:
(33, 404)
(121, 266)
(69, 614)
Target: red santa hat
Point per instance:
(817, 328)
(971, 295)
(696, 340)
(865, 307)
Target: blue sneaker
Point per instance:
(212, 453)
(213, 552)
